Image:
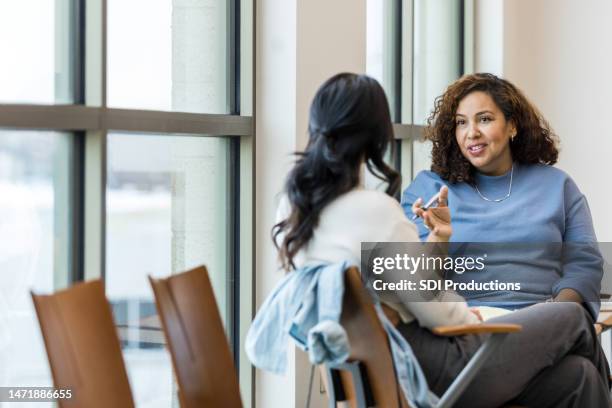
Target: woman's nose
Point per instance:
(473, 131)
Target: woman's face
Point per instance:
(483, 134)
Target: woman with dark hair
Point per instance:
(326, 213)
(495, 152)
(350, 130)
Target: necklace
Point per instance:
(497, 200)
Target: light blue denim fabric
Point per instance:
(306, 299)
(307, 305)
(409, 373)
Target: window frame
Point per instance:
(406, 131)
(90, 120)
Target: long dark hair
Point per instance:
(349, 124)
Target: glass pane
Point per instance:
(168, 55)
(405, 170)
(247, 60)
(438, 39)
(406, 61)
(437, 51)
(381, 57)
(382, 62)
(167, 211)
(36, 44)
(374, 44)
(34, 255)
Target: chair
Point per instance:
(368, 378)
(194, 332)
(82, 346)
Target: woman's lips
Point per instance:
(477, 149)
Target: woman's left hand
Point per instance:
(476, 312)
(568, 295)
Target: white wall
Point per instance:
(331, 39)
(275, 137)
(559, 53)
(299, 45)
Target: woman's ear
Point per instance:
(512, 130)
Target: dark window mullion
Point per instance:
(397, 61)
(77, 188)
(77, 208)
(233, 278)
(233, 51)
(396, 159)
(233, 289)
(78, 51)
(461, 38)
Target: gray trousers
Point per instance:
(555, 361)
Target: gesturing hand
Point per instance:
(437, 219)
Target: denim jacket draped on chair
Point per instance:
(307, 305)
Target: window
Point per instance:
(124, 153)
(416, 48)
(166, 212)
(35, 179)
(176, 59)
(383, 39)
(37, 49)
(437, 55)
(382, 30)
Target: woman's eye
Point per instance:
(460, 122)
(485, 119)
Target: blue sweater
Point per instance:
(525, 233)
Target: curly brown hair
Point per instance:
(535, 141)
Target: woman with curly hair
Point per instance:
(496, 152)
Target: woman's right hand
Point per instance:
(436, 219)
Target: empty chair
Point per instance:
(83, 347)
(194, 332)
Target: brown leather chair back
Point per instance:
(83, 347)
(369, 344)
(200, 352)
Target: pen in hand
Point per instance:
(432, 201)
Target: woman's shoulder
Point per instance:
(554, 180)
(428, 176)
(369, 213)
(366, 200)
(425, 184)
(546, 174)
(358, 201)
(545, 170)
(362, 202)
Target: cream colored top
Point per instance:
(372, 216)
